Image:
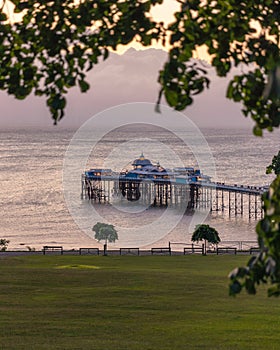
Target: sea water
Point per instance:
(33, 211)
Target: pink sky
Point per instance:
(131, 77)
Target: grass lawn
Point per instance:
(145, 303)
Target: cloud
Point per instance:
(131, 77)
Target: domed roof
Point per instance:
(141, 161)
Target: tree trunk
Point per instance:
(105, 248)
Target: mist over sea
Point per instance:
(33, 211)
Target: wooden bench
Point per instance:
(161, 251)
(52, 248)
(193, 250)
(89, 251)
(129, 251)
(226, 250)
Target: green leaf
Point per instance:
(106, 54)
(28, 73)
(230, 91)
(84, 86)
(3, 16)
(235, 288)
(23, 5)
(171, 97)
(250, 286)
(257, 131)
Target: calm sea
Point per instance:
(33, 211)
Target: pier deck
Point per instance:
(214, 196)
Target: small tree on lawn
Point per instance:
(4, 244)
(206, 233)
(105, 232)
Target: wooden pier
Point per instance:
(233, 200)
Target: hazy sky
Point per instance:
(131, 77)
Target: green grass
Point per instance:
(82, 302)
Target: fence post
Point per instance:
(203, 249)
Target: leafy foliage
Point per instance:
(105, 232)
(4, 244)
(265, 267)
(275, 165)
(53, 45)
(206, 233)
(234, 34)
